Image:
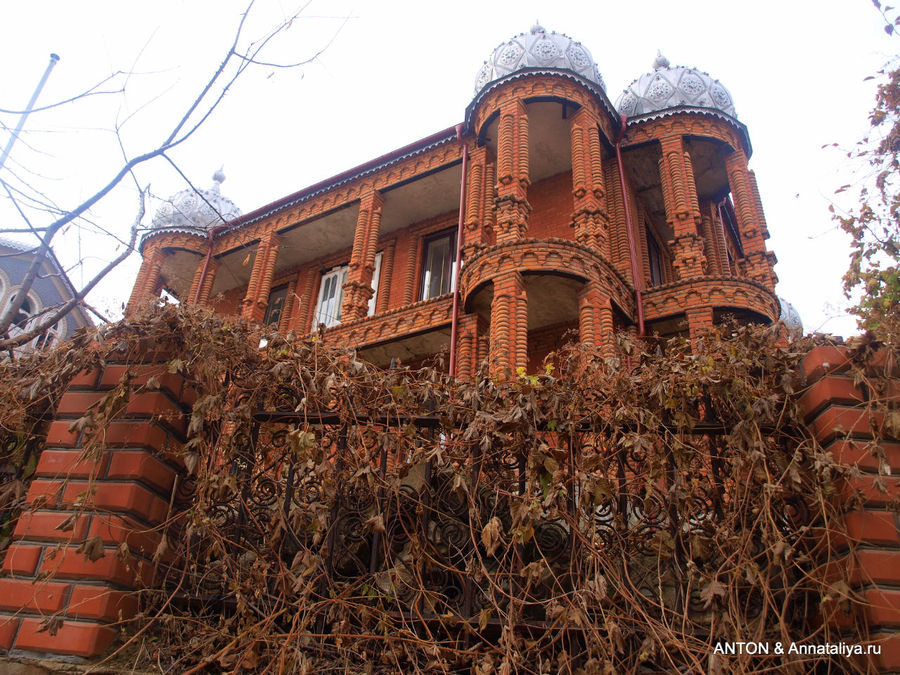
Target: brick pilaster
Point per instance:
(358, 289)
(86, 542)
(480, 186)
(387, 277)
(699, 320)
(207, 281)
(260, 284)
(509, 323)
(512, 173)
(682, 209)
(750, 219)
(595, 318)
(590, 219)
(467, 346)
(304, 299)
(146, 286)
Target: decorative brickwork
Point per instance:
(682, 209)
(260, 284)
(358, 289)
(589, 217)
(509, 323)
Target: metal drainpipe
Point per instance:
(635, 275)
(454, 325)
(211, 233)
(54, 59)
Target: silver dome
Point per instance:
(672, 86)
(790, 317)
(197, 210)
(538, 49)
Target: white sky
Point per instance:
(398, 71)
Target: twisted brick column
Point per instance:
(208, 281)
(257, 297)
(512, 173)
(304, 299)
(387, 277)
(147, 284)
(751, 220)
(467, 348)
(480, 184)
(682, 209)
(509, 323)
(595, 318)
(589, 215)
(358, 288)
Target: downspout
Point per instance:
(454, 325)
(212, 231)
(632, 250)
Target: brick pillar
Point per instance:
(146, 286)
(512, 173)
(751, 220)
(479, 217)
(304, 300)
(260, 284)
(699, 319)
(413, 267)
(509, 323)
(834, 408)
(467, 346)
(358, 288)
(682, 210)
(55, 598)
(714, 236)
(387, 277)
(595, 318)
(208, 281)
(590, 219)
(289, 306)
(618, 240)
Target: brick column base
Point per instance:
(93, 525)
(868, 556)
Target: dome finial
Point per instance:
(660, 61)
(219, 176)
(537, 28)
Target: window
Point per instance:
(437, 278)
(331, 294)
(656, 275)
(275, 308)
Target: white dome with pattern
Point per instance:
(197, 210)
(673, 86)
(538, 49)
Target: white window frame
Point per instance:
(376, 279)
(328, 311)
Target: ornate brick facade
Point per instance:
(546, 207)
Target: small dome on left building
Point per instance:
(197, 210)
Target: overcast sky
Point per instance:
(395, 71)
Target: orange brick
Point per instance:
(872, 527)
(76, 403)
(114, 530)
(9, 626)
(68, 563)
(20, 594)
(99, 602)
(857, 452)
(118, 497)
(889, 659)
(141, 466)
(85, 379)
(829, 390)
(45, 526)
(79, 638)
(883, 606)
(59, 435)
(22, 559)
(70, 463)
(824, 359)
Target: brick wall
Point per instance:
(836, 407)
(542, 341)
(551, 207)
(87, 538)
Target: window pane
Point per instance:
(275, 308)
(331, 294)
(438, 266)
(376, 278)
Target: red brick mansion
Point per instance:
(551, 208)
